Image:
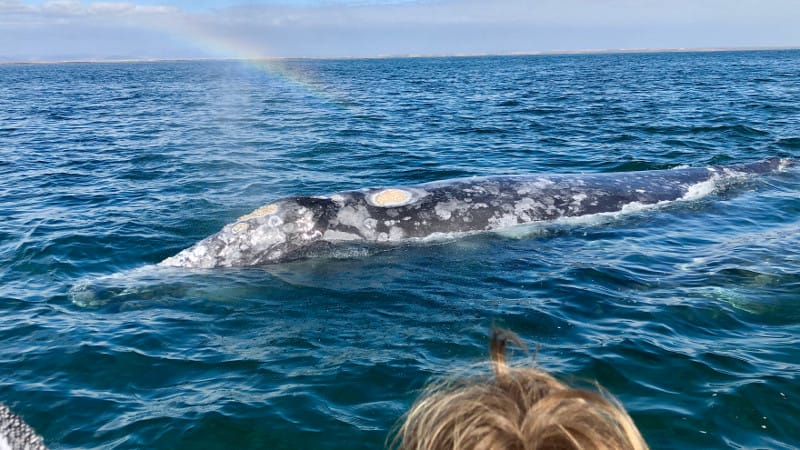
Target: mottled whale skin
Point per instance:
(293, 227)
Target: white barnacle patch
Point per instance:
(577, 198)
(305, 222)
(352, 216)
(502, 221)
(396, 234)
(260, 212)
(370, 223)
(524, 208)
(274, 221)
(358, 217)
(445, 210)
(390, 197)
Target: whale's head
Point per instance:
(277, 232)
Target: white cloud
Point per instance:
(75, 8)
(370, 28)
(111, 8)
(63, 8)
(442, 12)
(12, 7)
(128, 8)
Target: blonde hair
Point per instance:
(519, 408)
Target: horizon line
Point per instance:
(643, 50)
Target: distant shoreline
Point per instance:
(411, 56)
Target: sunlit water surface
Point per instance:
(690, 313)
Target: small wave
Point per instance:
(542, 110)
(481, 130)
(741, 130)
(790, 143)
(738, 130)
(151, 282)
(507, 103)
(623, 137)
(637, 165)
(769, 304)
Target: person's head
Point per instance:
(516, 408)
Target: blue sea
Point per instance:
(689, 314)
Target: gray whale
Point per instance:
(291, 228)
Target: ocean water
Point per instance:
(689, 314)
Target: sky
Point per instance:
(66, 30)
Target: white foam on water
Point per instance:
(442, 237)
(700, 190)
(100, 290)
(344, 250)
(526, 231)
